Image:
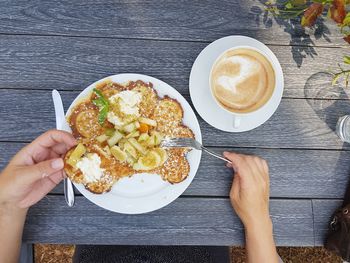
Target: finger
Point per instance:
(235, 189)
(32, 153)
(235, 158)
(60, 148)
(54, 137)
(30, 174)
(265, 166)
(57, 177)
(46, 141)
(41, 188)
(257, 168)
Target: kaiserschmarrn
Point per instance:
(119, 130)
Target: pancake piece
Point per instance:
(149, 99)
(181, 131)
(109, 88)
(84, 121)
(168, 114)
(111, 170)
(176, 168)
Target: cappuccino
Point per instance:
(242, 80)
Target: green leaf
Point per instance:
(99, 103)
(335, 79)
(102, 115)
(103, 106)
(346, 20)
(289, 5)
(98, 93)
(298, 2)
(346, 59)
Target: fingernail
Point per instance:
(44, 175)
(57, 164)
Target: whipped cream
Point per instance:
(128, 101)
(90, 166)
(114, 119)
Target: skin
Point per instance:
(31, 174)
(38, 168)
(249, 197)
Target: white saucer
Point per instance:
(200, 92)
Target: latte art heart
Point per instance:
(242, 80)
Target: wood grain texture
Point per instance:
(293, 173)
(183, 20)
(63, 63)
(26, 253)
(323, 211)
(193, 221)
(296, 124)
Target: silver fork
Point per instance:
(189, 143)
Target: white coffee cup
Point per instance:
(237, 117)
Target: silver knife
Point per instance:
(61, 124)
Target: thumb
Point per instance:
(41, 170)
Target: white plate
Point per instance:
(144, 193)
(201, 95)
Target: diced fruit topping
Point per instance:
(118, 153)
(102, 138)
(143, 127)
(143, 137)
(130, 149)
(148, 162)
(115, 138)
(163, 155)
(77, 153)
(148, 121)
(137, 145)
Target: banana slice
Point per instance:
(148, 162)
(163, 155)
(130, 149)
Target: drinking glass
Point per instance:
(343, 128)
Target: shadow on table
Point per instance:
(329, 103)
(300, 41)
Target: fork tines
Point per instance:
(178, 142)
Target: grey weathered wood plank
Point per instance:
(28, 62)
(26, 253)
(297, 123)
(187, 221)
(184, 20)
(323, 211)
(293, 173)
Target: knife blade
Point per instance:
(61, 124)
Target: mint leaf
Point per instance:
(102, 103)
(98, 93)
(102, 115)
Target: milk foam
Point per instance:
(247, 68)
(242, 80)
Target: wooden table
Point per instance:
(67, 45)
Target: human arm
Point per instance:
(249, 197)
(33, 172)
